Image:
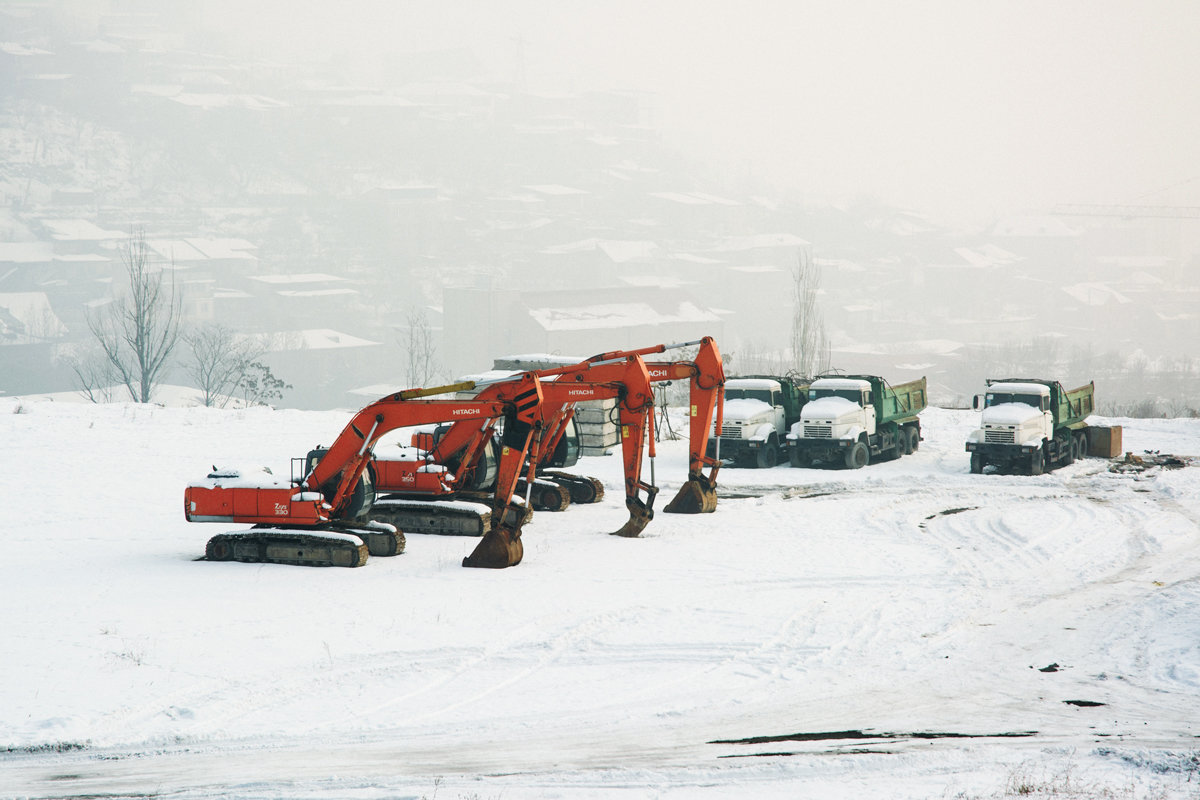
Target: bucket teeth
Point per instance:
(639, 517)
(501, 546)
(697, 495)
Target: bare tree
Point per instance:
(810, 346)
(139, 330)
(420, 348)
(220, 361)
(94, 374)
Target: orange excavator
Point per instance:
(449, 464)
(706, 377)
(313, 519)
(455, 464)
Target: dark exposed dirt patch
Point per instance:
(826, 736)
(951, 511)
(1084, 703)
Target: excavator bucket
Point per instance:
(640, 515)
(501, 546)
(698, 495)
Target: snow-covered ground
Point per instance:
(905, 630)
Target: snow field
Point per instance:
(906, 597)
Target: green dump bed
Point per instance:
(901, 402)
(1072, 407)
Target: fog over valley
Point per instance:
(363, 196)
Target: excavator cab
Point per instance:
(361, 499)
(566, 453)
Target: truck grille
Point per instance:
(998, 436)
(818, 431)
(732, 431)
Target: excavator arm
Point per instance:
(706, 377)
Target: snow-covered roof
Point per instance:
(760, 240)
(617, 315)
(79, 230)
(751, 383)
(28, 316)
(314, 292)
(988, 255)
(18, 49)
(758, 269)
(175, 250)
(299, 277)
(555, 190)
(694, 199)
(223, 248)
(25, 252)
(1020, 388)
(695, 259)
(1096, 294)
(210, 100)
(1033, 226)
(840, 384)
(623, 251)
(663, 282)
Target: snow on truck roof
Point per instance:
(751, 383)
(1020, 388)
(840, 383)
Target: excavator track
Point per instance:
(583, 489)
(438, 517)
(546, 495)
(338, 545)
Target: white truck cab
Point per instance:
(837, 409)
(1015, 414)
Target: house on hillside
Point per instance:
(481, 324)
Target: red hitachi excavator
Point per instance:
(449, 464)
(706, 376)
(454, 464)
(311, 520)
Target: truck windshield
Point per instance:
(749, 394)
(998, 398)
(853, 395)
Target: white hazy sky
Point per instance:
(947, 106)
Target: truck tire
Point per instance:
(797, 460)
(1037, 463)
(1081, 442)
(914, 439)
(903, 448)
(1067, 449)
(768, 454)
(977, 463)
(858, 456)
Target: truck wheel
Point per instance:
(977, 463)
(857, 456)
(1081, 440)
(902, 442)
(768, 455)
(797, 460)
(1068, 449)
(914, 439)
(1036, 463)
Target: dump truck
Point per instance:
(1030, 425)
(758, 411)
(856, 419)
